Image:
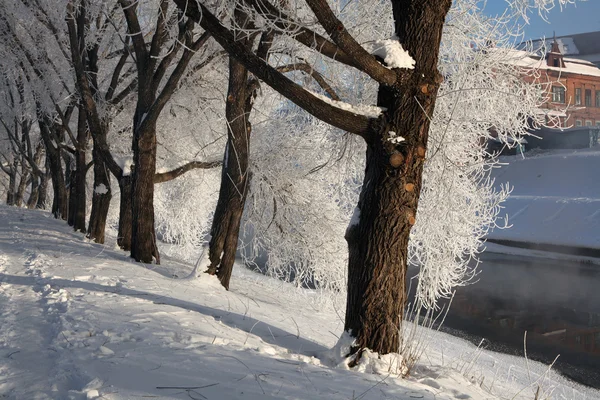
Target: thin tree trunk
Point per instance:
(20, 192)
(60, 199)
(100, 200)
(35, 191)
(35, 178)
(125, 214)
(43, 188)
(77, 186)
(378, 244)
(12, 184)
(234, 177)
(54, 163)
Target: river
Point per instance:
(556, 302)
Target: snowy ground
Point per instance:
(81, 321)
(555, 200)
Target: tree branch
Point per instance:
(135, 32)
(308, 69)
(345, 120)
(170, 175)
(362, 59)
(307, 37)
(114, 80)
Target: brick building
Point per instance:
(573, 85)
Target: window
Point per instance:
(588, 97)
(588, 122)
(558, 94)
(578, 96)
(597, 98)
(597, 123)
(578, 123)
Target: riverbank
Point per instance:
(554, 206)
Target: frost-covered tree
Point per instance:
(444, 167)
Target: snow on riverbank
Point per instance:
(555, 200)
(81, 321)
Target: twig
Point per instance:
(187, 387)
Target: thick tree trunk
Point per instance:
(143, 238)
(378, 243)
(100, 200)
(234, 176)
(125, 214)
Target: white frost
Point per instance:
(394, 138)
(393, 54)
(101, 189)
(125, 163)
(361, 109)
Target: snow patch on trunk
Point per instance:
(393, 54)
(125, 163)
(101, 189)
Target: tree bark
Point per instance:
(100, 200)
(35, 177)
(12, 184)
(125, 214)
(77, 195)
(378, 244)
(43, 188)
(143, 238)
(234, 177)
(60, 200)
(35, 191)
(20, 192)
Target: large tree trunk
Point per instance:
(234, 177)
(143, 238)
(125, 214)
(378, 243)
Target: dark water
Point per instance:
(556, 302)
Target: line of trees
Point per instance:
(141, 93)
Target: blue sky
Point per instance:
(584, 16)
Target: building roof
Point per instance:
(581, 45)
(572, 65)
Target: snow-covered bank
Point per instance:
(80, 320)
(555, 200)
